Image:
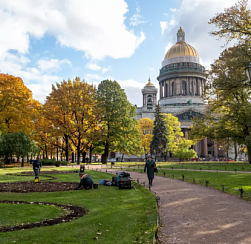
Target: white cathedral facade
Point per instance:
(182, 80)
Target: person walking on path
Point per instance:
(37, 165)
(149, 166)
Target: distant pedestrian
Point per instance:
(149, 166)
(37, 165)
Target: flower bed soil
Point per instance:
(30, 186)
(72, 212)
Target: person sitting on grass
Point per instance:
(86, 181)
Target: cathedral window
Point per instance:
(172, 88)
(167, 89)
(184, 87)
(191, 87)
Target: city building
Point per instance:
(182, 80)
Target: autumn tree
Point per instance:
(71, 108)
(118, 118)
(228, 114)
(159, 143)
(15, 105)
(178, 145)
(145, 126)
(234, 22)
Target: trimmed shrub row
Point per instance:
(52, 162)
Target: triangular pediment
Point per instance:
(187, 115)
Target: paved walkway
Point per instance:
(197, 214)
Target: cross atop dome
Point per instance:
(180, 35)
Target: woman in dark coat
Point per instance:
(150, 164)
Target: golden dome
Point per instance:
(149, 83)
(181, 49)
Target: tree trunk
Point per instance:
(78, 155)
(72, 157)
(22, 165)
(66, 147)
(249, 153)
(83, 156)
(235, 152)
(105, 155)
(46, 153)
(90, 153)
(122, 157)
(57, 149)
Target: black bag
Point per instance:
(155, 170)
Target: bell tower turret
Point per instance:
(149, 95)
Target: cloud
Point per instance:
(104, 70)
(194, 16)
(94, 27)
(137, 19)
(51, 65)
(163, 25)
(173, 9)
(93, 66)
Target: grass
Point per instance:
(121, 216)
(210, 166)
(17, 213)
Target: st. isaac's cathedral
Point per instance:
(182, 80)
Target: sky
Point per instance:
(47, 41)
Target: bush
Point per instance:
(46, 162)
(53, 162)
(64, 163)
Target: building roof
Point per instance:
(149, 84)
(181, 49)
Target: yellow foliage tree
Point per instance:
(145, 126)
(178, 145)
(16, 105)
(71, 108)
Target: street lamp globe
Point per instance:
(248, 73)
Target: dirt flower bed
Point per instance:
(30, 186)
(72, 212)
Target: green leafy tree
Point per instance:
(17, 144)
(228, 115)
(159, 143)
(179, 146)
(118, 118)
(130, 139)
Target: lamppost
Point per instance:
(248, 73)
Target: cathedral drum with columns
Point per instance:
(182, 80)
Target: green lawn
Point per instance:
(121, 216)
(17, 213)
(209, 166)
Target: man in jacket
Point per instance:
(37, 165)
(150, 164)
(85, 181)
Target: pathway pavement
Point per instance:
(197, 214)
